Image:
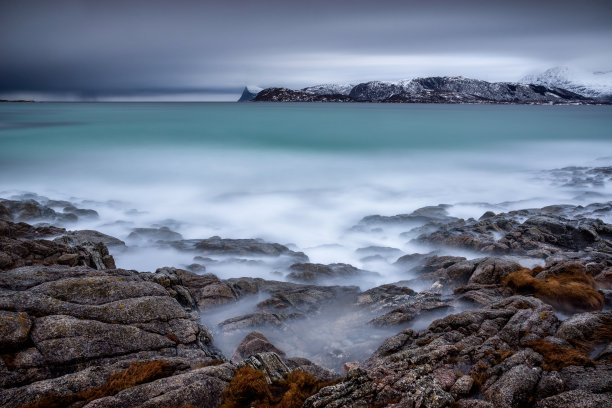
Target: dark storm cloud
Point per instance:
(97, 48)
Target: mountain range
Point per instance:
(554, 86)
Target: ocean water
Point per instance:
(296, 174)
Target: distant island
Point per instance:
(18, 100)
(550, 87)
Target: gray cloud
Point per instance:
(94, 49)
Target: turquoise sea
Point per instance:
(296, 173)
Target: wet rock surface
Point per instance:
(18, 248)
(33, 208)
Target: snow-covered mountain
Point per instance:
(458, 89)
(330, 89)
(592, 85)
(428, 90)
(249, 93)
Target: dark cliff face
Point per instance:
(435, 90)
(247, 95)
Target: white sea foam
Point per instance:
(309, 200)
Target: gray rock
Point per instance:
(83, 318)
(254, 343)
(382, 296)
(290, 297)
(551, 383)
(254, 320)
(462, 386)
(220, 246)
(514, 388)
(65, 339)
(410, 308)
(207, 289)
(270, 363)
(308, 272)
(577, 398)
(492, 271)
(75, 238)
(596, 379)
(583, 326)
(201, 387)
(154, 235)
(19, 247)
(321, 373)
(14, 328)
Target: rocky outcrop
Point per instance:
(505, 353)
(254, 343)
(17, 248)
(309, 272)
(207, 289)
(291, 297)
(270, 363)
(75, 238)
(70, 330)
(151, 235)
(41, 209)
(410, 308)
(244, 247)
(537, 233)
(430, 214)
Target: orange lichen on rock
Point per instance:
(603, 334)
(569, 289)
(557, 357)
(249, 388)
(138, 372)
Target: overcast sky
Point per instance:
(194, 50)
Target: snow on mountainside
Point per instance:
(330, 89)
(429, 90)
(458, 89)
(592, 85)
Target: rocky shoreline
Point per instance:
(525, 322)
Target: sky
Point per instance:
(203, 50)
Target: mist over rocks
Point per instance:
(150, 235)
(526, 325)
(74, 238)
(534, 232)
(226, 246)
(34, 208)
(309, 272)
(20, 249)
